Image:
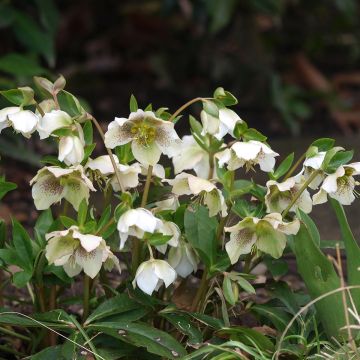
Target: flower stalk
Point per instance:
(301, 190)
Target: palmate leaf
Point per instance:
(142, 335)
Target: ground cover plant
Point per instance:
(182, 243)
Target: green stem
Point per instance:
(295, 166)
(86, 297)
(14, 334)
(183, 107)
(146, 187)
(137, 245)
(204, 283)
(301, 190)
(86, 337)
(39, 109)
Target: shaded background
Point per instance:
(293, 65)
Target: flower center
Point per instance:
(143, 133)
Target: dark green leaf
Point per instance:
(225, 97)
(228, 291)
(20, 65)
(352, 250)
(143, 335)
(82, 213)
(133, 104)
(323, 144)
(67, 222)
(70, 104)
(200, 230)
(5, 187)
(253, 134)
(184, 324)
(157, 239)
(22, 244)
(283, 167)
(339, 159)
(320, 277)
(88, 132)
(116, 305)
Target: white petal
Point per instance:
(164, 272)
(88, 241)
(330, 183)
(316, 161)
(46, 191)
(210, 123)
(247, 150)
(229, 118)
(118, 133)
(51, 121)
(145, 278)
(240, 243)
(180, 185)
(146, 155)
(103, 164)
(24, 121)
(4, 121)
(320, 197)
(197, 185)
(167, 139)
(75, 192)
(223, 157)
(91, 263)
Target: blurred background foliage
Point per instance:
(294, 65)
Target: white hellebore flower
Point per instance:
(76, 251)
(149, 136)
(151, 274)
(171, 229)
(171, 203)
(267, 234)
(22, 121)
(129, 174)
(135, 222)
(71, 148)
(312, 164)
(339, 185)
(248, 154)
(219, 126)
(280, 195)
(183, 259)
(192, 156)
(187, 184)
(51, 121)
(53, 183)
